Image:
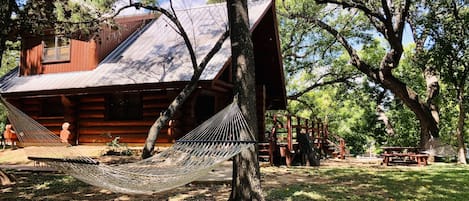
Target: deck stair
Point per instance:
(282, 145)
(264, 152)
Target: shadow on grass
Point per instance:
(56, 186)
(447, 182)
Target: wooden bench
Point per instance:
(422, 159)
(386, 158)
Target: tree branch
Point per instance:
(353, 4)
(305, 103)
(387, 19)
(174, 19)
(320, 84)
(402, 19)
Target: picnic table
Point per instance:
(404, 155)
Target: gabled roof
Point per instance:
(154, 54)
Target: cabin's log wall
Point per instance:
(32, 107)
(90, 124)
(94, 126)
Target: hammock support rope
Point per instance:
(198, 152)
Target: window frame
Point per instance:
(51, 107)
(121, 112)
(56, 55)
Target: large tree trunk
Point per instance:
(246, 172)
(460, 129)
(424, 113)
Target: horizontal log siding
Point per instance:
(93, 126)
(32, 107)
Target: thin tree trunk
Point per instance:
(383, 117)
(165, 116)
(382, 114)
(179, 100)
(460, 129)
(2, 49)
(246, 172)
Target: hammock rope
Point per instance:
(198, 152)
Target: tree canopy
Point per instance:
(381, 87)
(345, 61)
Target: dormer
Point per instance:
(59, 54)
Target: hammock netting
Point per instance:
(216, 140)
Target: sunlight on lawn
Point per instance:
(309, 195)
(434, 182)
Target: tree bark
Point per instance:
(382, 114)
(179, 100)
(246, 172)
(460, 128)
(428, 124)
(383, 117)
(6, 179)
(166, 115)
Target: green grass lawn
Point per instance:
(440, 181)
(434, 182)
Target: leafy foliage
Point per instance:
(313, 57)
(9, 61)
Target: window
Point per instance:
(124, 107)
(56, 49)
(205, 108)
(52, 107)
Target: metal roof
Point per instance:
(154, 54)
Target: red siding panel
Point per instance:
(82, 58)
(84, 55)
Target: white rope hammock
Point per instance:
(216, 140)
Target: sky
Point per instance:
(407, 36)
(179, 4)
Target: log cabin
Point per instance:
(118, 85)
